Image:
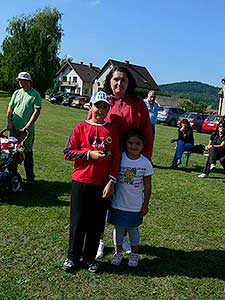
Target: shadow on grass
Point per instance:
(189, 169)
(42, 193)
(168, 262)
(181, 169)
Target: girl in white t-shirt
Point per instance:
(131, 197)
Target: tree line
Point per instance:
(31, 44)
(197, 92)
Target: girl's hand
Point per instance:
(108, 190)
(182, 128)
(97, 155)
(144, 210)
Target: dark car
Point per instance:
(56, 99)
(68, 98)
(196, 119)
(211, 122)
(78, 102)
(169, 115)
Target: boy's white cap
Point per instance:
(100, 96)
(23, 76)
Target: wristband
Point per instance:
(113, 181)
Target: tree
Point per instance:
(32, 45)
(195, 107)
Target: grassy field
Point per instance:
(182, 238)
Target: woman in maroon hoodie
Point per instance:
(127, 110)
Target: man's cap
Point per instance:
(24, 76)
(100, 96)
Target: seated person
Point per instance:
(216, 147)
(185, 142)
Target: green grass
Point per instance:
(182, 238)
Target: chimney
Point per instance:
(90, 65)
(81, 62)
(127, 62)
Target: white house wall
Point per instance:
(70, 74)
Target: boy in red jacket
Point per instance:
(94, 147)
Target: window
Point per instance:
(64, 79)
(74, 79)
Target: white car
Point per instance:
(86, 105)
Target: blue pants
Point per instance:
(180, 148)
(133, 232)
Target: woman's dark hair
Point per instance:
(134, 132)
(220, 124)
(131, 81)
(185, 121)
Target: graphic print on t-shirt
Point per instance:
(133, 176)
(101, 144)
(129, 175)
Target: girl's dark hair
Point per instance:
(185, 121)
(131, 81)
(135, 132)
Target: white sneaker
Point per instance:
(212, 166)
(203, 175)
(126, 245)
(179, 162)
(100, 251)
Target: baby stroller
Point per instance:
(11, 154)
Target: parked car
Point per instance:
(78, 102)
(211, 122)
(86, 105)
(196, 119)
(68, 98)
(56, 99)
(169, 115)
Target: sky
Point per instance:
(176, 40)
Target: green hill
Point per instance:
(193, 90)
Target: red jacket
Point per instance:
(88, 137)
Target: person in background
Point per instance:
(131, 197)
(216, 147)
(127, 110)
(185, 142)
(152, 107)
(94, 148)
(23, 111)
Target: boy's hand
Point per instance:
(144, 210)
(97, 155)
(108, 190)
